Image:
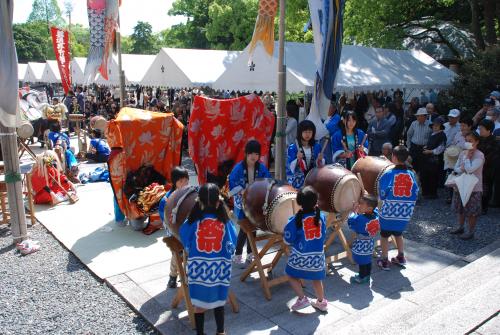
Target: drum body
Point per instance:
(99, 122)
(25, 130)
(268, 204)
(371, 168)
(76, 117)
(178, 207)
(337, 187)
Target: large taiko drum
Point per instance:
(338, 188)
(25, 130)
(268, 204)
(371, 168)
(178, 207)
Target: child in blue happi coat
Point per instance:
(398, 193)
(59, 139)
(179, 178)
(303, 155)
(364, 222)
(209, 238)
(243, 174)
(305, 234)
(99, 148)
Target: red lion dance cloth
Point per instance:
(219, 129)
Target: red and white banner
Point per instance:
(60, 42)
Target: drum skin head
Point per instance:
(337, 187)
(183, 208)
(371, 169)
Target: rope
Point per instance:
(8, 134)
(12, 177)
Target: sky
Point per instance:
(131, 11)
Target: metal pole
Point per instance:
(281, 115)
(14, 188)
(120, 69)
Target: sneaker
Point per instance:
(250, 258)
(399, 260)
(301, 303)
(172, 282)
(467, 236)
(457, 230)
(383, 264)
(28, 247)
(239, 261)
(358, 280)
(321, 305)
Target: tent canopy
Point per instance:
(188, 67)
(21, 71)
(51, 72)
(135, 66)
(77, 69)
(34, 72)
(361, 68)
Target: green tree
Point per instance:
(191, 34)
(127, 44)
(30, 42)
(47, 11)
(231, 23)
(143, 40)
(80, 36)
(297, 16)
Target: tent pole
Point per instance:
(120, 67)
(280, 150)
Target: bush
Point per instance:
(476, 79)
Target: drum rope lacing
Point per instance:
(192, 189)
(277, 200)
(268, 191)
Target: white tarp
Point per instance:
(51, 72)
(188, 67)
(21, 71)
(360, 68)
(34, 72)
(77, 68)
(136, 66)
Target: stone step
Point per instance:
(464, 314)
(410, 308)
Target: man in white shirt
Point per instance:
(452, 127)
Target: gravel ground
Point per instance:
(433, 219)
(51, 292)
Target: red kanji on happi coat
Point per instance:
(219, 130)
(372, 227)
(402, 185)
(209, 235)
(311, 230)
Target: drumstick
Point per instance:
(364, 140)
(325, 144)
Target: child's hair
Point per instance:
(303, 126)
(370, 200)
(307, 198)
(475, 136)
(97, 133)
(252, 147)
(55, 127)
(401, 153)
(208, 198)
(177, 174)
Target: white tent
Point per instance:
(34, 72)
(188, 67)
(360, 68)
(77, 68)
(51, 72)
(136, 66)
(113, 74)
(21, 71)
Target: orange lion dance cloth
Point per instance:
(136, 138)
(219, 129)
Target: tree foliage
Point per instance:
(47, 11)
(143, 40)
(476, 79)
(30, 43)
(191, 34)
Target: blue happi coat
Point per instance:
(210, 245)
(332, 124)
(366, 226)
(307, 256)
(294, 175)
(238, 182)
(398, 193)
(338, 147)
(54, 138)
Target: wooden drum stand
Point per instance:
(257, 264)
(179, 257)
